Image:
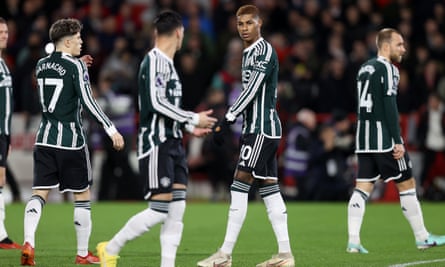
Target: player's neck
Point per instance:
(167, 46)
(249, 43)
(63, 49)
(384, 56)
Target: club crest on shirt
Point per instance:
(165, 181)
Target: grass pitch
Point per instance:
(318, 233)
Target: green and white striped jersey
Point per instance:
(6, 103)
(258, 98)
(64, 88)
(160, 94)
(378, 117)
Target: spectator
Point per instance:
(121, 66)
(228, 78)
(212, 155)
(344, 131)
(406, 97)
(118, 179)
(330, 179)
(297, 154)
(431, 136)
(427, 82)
(194, 86)
(335, 92)
(25, 81)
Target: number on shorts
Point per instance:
(246, 152)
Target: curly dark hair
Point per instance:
(64, 27)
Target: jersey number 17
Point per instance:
(50, 82)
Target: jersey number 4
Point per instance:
(57, 84)
(364, 96)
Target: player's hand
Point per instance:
(118, 141)
(87, 59)
(205, 121)
(201, 132)
(398, 151)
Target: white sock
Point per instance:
(138, 225)
(237, 213)
(413, 213)
(82, 225)
(356, 211)
(171, 233)
(3, 233)
(171, 230)
(276, 211)
(33, 211)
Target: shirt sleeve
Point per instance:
(392, 115)
(82, 83)
(258, 74)
(157, 86)
(391, 110)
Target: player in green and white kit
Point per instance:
(61, 157)
(6, 110)
(161, 155)
(379, 146)
(259, 143)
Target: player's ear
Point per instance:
(260, 22)
(179, 32)
(66, 42)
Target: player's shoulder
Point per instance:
(62, 59)
(263, 44)
(158, 58)
(371, 62)
(373, 66)
(43, 59)
(70, 60)
(263, 49)
(383, 64)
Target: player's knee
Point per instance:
(406, 185)
(245, 177)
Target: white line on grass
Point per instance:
(416, 263)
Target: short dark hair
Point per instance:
(167, 21)
(64, 27)
(248, 10)
(2, 20)
(384, 35)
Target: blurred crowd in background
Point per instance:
(320, 44)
